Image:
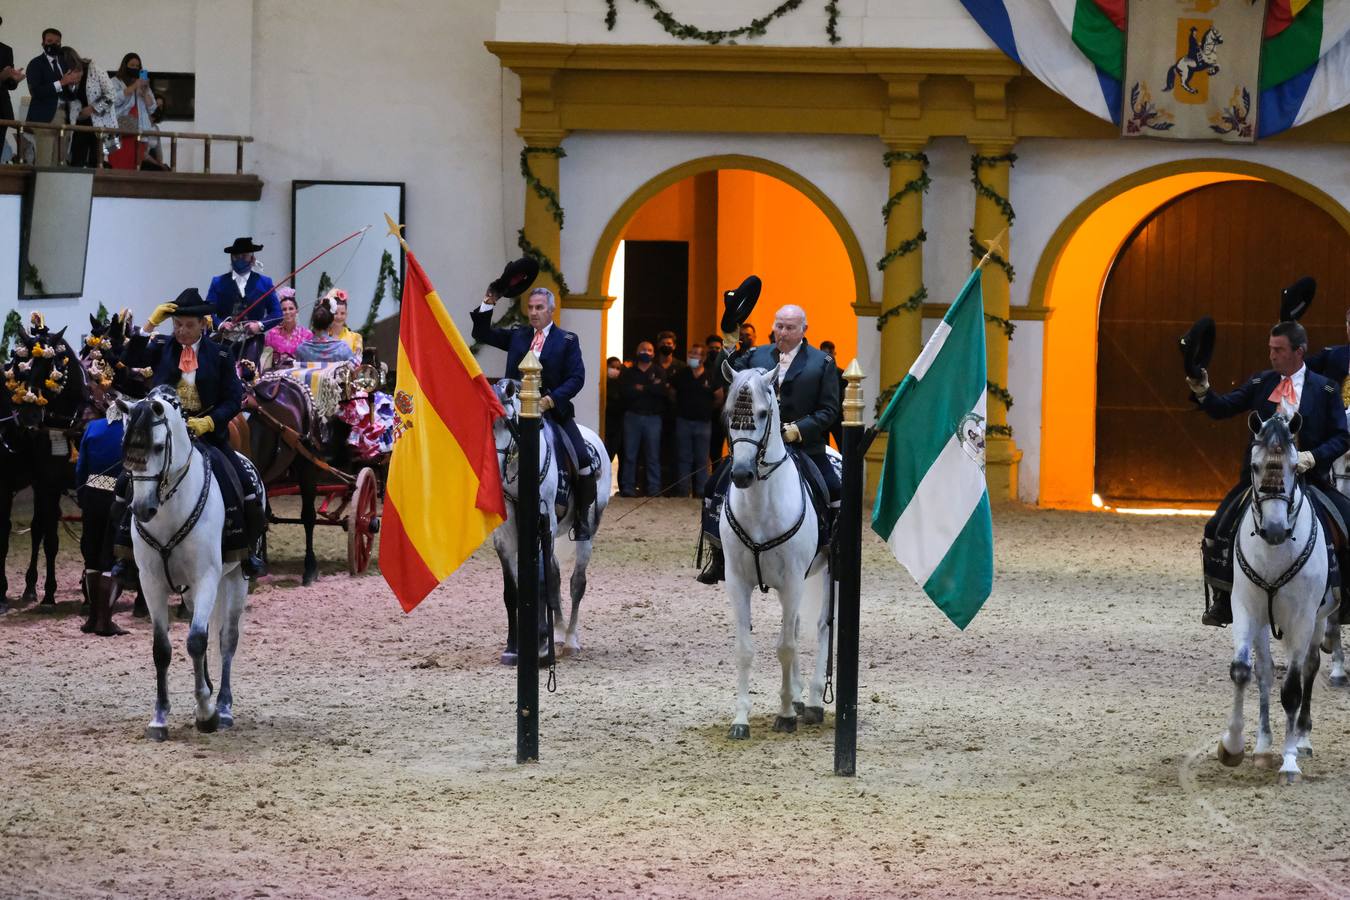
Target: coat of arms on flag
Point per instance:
(1192, 69)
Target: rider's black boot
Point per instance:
(1219, 612)
(585, 499)
(89, 583)
(715, 571)
(104, 595)
(255, 524)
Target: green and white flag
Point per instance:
(932, 504)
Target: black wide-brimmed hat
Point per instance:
(516, 278)
(1197, 347)
(190, 303)
(243, 245)
(740, 303)
(1295, 299)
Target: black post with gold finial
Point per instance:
(527, 565)
(848, 558)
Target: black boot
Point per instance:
(255, 525)
(585, 499)
(1219, 611)
(104, 595)
(89, 584)
(715, 571)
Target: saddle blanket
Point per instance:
(325, 382)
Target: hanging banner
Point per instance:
(1192, 69)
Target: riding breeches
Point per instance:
(577, 448)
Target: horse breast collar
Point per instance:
(164, 550)
(1271, 588)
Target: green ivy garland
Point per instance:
(325, 284)
(905, 248)
(102, 315)
(914, 185)
(832, 21)
(541, 190)
(389, 274)
(685, 32)
(995, 257)
(32, 276)
(917, 185)
(12, 325)
(976, 163)
(913, 302)
(999, 391)
(545, 264)
(884, 399)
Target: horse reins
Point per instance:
(1271, 588)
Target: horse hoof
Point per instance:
(739, 733)
(509, 657)
(1265, 760)
(157, 733)
(310, 576)
(1229, 759)
(1334, 680)
(813, 715)
(29, 597)
(209, 726)
(785, 724)
(226, 719)
(1304, 752)
(1288, 778)
(799, 706)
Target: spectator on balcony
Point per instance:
(154, 156)
(9, 80)
(338, 299)
(281, 342)
(135, 103)
(92, 106)
(323, 346)
(50, 87)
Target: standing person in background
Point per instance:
(51, 87)
(135, 103)
(669, 365)
(837, 429)
(9, 80)
(695, 402)
(614, 412)
(644, 390)
(351, 338)
(154, 155)
(717, 435)
(92, 106)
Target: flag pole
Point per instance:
(848, 557)
(527, 565)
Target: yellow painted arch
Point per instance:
(1068, 284)
(602, 259)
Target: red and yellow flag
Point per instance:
(444, 495)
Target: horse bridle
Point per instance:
(512, 451)
(1272, 587)
(162, 478)
(761, 445)
(1291, 511)
(166, 549)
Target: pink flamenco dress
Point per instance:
(284, 345)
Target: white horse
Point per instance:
(178, 516)
(1280, 587)
(1202, 55)
(769, 536)
(1340, 477)
(559, 521)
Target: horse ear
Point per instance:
(1295, 423)
(768, 377)
(728, 373)
(94, 322)
(158, 407)
(122, 406)
(1254, 422)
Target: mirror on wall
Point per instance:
(54, 239)
(324, 212)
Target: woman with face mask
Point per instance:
(135, 103)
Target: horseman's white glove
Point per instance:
(1199, 386)
(1305, 461)
(791, 433)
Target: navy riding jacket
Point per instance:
(563, 373)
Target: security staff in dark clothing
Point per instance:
(646, 397)
(808, 402)
(696, 402)
(1286, 388)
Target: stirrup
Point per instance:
(715, 570)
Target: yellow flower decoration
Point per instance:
(52, 384)
(42, 401)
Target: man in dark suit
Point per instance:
(562, 377)
(1333, 363)
(240, 288)
(211, 394)
(1286, 388)
(9, 80)
(50, 87)
(808, 403)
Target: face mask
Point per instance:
(51, 49)
(666, 351)
(240, 265)
(613, 373)
(695, 362)
(644, 357)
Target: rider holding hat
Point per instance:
(1288, 387)
(239, 289)
(210, 392)
(561, 378)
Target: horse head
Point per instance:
(751, 419)
(155, 446)
(505, 431)
(1209, 46)
(1274, 460)
(45, 381)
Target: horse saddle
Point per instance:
(562, 451)
(817, 492)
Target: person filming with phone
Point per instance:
(135, 103)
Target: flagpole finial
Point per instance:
(993, 246)
(853, 394)
(530, 367)
(397, 231)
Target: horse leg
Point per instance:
(309, 475)
(814, 713)
(790, 597)
(1311, 663)
(739, 593)
(35, 531)
(583, 551)
(51, 541)
(1291, 698)
(158, 603)
(203, 604)
(229, 613)
(1332, 644)
(509, 655)
(553, 591)
(1265, 676)
(1231, 744)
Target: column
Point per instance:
(992, 167)
(902, 292)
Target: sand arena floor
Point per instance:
(1063, 745)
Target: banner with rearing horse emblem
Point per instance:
(1192, 69)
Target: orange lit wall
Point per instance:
(1073, 294)
(768, 228)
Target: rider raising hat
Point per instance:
(211, 394)
(1288, 387)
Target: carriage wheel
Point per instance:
(363, 522)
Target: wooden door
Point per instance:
(1225, 250)
(655, 292)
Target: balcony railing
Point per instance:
(25, 130)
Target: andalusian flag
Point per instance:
(932, 504)
(444, 495)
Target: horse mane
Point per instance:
(1275, 435)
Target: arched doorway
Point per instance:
(1067, 288)
(1224, 250)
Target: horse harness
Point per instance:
(166, 549)
(1271, 588)
(512, 450)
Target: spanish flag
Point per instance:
(444, 494)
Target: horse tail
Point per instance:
(1171, 79)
